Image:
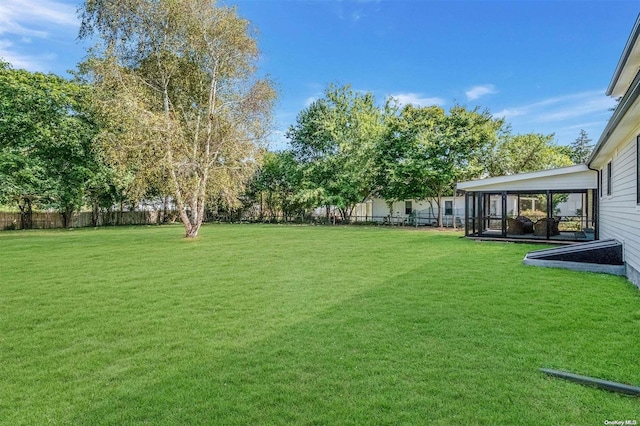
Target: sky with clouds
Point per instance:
(542, 65)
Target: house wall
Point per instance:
(619, 212)
(377, 210)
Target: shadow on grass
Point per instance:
(426, 347)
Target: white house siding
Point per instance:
(425, 210)
(619, 214)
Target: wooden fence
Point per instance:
(51, 220)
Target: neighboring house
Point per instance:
(614, 165)
(616, 157)
(411, 212)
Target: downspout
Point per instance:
(596, 201)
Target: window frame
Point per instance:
(408, 207)
(609, 180)
(448, 211)
(601, 182)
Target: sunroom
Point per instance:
(558, 205)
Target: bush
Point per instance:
(534, 215)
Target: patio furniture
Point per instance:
(514, 227)
(540, 227)
(527, 224)
(519, 226)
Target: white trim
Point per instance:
(507, 182)
(627, 65)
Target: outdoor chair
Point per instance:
(527, 224)
(514, 226)
(540, 227)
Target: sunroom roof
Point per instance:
(570, 178)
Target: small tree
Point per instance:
(278, 184)
(581, 148)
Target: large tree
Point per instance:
(426, 151)
(176, 90)
(334, 139)
(46, 152)
(526, 153)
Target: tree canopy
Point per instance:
(177, 97)
(46, 152)
(335, 138)
(526, 153)
(426, 151)
(581, 148)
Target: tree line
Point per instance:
(346, 148)
(169, 105)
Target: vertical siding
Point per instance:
(619, 213)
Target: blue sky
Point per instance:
(543, 65)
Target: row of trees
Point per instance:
(168, 105)
(346, 148)
(57, 151)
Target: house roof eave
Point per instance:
(508, 179)
(628, 63)
(621, 110)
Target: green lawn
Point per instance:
(254, 324)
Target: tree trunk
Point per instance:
(95, 212)
(26, 213)
(348, 212)
(165, 209)
(439, 202)
(454, 210)
(119, 219)
(192, 231)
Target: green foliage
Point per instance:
(180, 108)
(334, 139)
(277, 186)
(581, 148)
(46, 133)
(404, 155)
(283, 328)
(426, 151)
(526, 153)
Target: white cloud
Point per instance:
(559, 108)
(24, 22)
(562, 115)
(582, 107)
(19, 60)
(310, 100)
(510, 112)
(354, 11)
(479, 91)
(417, 99)
(19, 17)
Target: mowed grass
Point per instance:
(252, 324)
